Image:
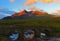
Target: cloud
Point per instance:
(57, 13)
(29, 2)
(6, 11)
(11, 0)
(2, 8)
(32, 8)
(48, 1)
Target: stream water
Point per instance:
(15, 36)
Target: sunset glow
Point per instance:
(48, 6)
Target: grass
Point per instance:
(35, 23)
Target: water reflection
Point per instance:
(29, 34)
(14, 36)
(42, 35)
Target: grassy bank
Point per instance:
(35, 23)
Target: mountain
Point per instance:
(29, 13)
(36, 14)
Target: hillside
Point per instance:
(22, 21)
(32, 18)
(27, 15)
(35, 15)
(30, 23)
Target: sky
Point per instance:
(50, 6)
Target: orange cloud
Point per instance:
(32, 8)
(48, 1)
(57, 13)
(11, 0)
(55, 0)
(29, 2)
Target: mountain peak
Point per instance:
(24, 14)
(29, 13)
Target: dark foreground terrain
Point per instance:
(52, 27)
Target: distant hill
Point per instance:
(36, 14)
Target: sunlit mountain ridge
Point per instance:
(24, 14)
